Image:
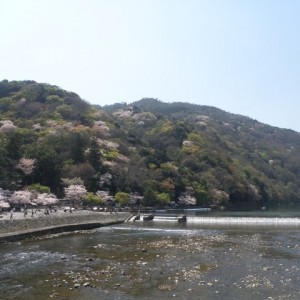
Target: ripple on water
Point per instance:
(24, 261)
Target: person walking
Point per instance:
(11, 215)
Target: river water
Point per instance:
(156, 260)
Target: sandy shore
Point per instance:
(22, 226)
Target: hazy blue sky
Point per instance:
(241, 56)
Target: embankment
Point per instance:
(26, 227)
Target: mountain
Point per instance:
(178, 153)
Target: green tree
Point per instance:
(200, 194)
(163, 198)
(77, 147)
(47, 168)
(6, 165)
(92, 199)
(39, 188)
(122, 198)
(149, 197)
(94, 155)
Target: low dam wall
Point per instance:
(221, 222)
(157, 217)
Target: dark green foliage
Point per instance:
(91, 199)
(122, 198)
(149, 197)
(6, 166)
(48, 167)
(39, 188)
(180, 132)
(77, 146)
(94, 156)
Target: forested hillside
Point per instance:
(163, 153)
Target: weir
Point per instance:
(157, 217)
(271, 222)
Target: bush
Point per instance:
(122, 198)
(92, 199)
(163, 198)
(39, 188)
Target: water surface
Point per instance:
(155, 260)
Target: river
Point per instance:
(156, 260)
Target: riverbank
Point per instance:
(23, 227)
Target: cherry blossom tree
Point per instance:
(123, 113)
(186, 199)
(7, 126)
(75, 192)
(4, 194)
(135, 198)
(101, 129)
(72, 181)
(104, 195)
(219, 197)
(108, 144)
(26, 165)
(37, 127)
(3, 199)
(4, 204)
(46, 199)
(105, 179)
(20, 198)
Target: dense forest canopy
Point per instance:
(166, 153)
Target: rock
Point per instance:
(77, 285)
(86, 284)
(89, 259)
(55, 294)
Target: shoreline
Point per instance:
(24, 227)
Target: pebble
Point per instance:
(55, 294)
(89, 259)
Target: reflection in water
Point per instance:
(154, 260)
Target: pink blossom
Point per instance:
(75, 192)
(104, 195)
(7, 126)
(26, 165)
(20, 198)
(46, 199)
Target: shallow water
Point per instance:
(155, 260)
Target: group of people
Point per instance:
(26, 212)
(33, 212)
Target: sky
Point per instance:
(239, 56)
